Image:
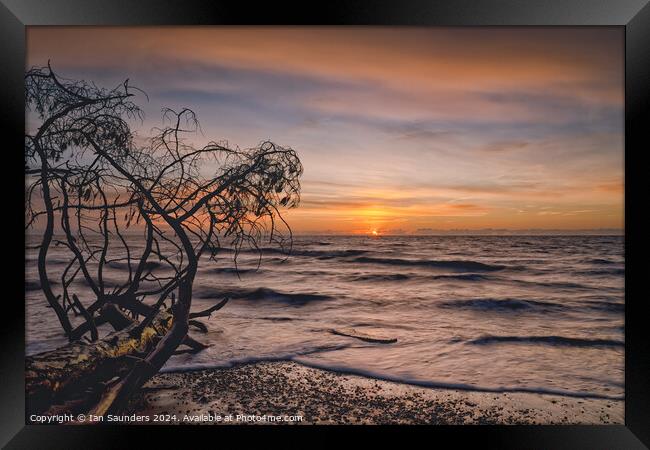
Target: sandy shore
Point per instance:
(296, 394)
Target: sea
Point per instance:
(540, 314)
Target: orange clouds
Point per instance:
(408, 60)
(402, 127)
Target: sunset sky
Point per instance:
(400, 130)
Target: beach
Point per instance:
(285, 392)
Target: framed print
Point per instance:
(373, 218)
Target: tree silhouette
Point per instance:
(108, 198)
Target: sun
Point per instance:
(374, 233)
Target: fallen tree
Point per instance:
(73, 377)
(87, 182)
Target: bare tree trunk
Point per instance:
(74, 377)
(184, 213)
(117, 395)
(45, 246)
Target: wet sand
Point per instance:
(287, 392)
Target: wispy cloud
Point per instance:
(403, 125)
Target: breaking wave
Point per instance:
(263, 294)
(548, 340)
(460, 265)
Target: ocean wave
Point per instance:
(118, 265)
(51, 261)
(514, 304)
(380, 277)
(302, 357)
(548, 340)
(507, 304)
(32, 285)
(35, 285)
(601, 261)
(281, 356)
(232, 270)
(319, 254)
(603, 271)
(604, 306)
(444, 385)
(461, 265)
(263, 294)
(302, 243)
(462, 277)
(413, 276)
(552, 284)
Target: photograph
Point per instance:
(325, 225)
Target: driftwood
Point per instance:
(350, 332)
(73, 377)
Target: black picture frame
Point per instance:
(633, 15)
